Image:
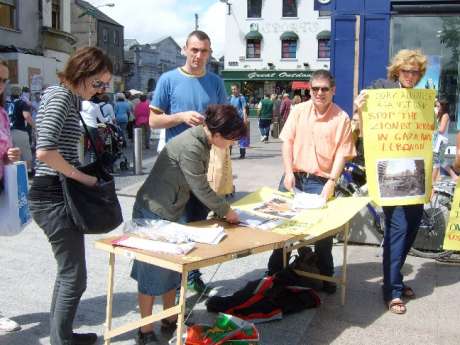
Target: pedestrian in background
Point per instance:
(285, 108)
(8, 154)
(440, 140)
(122, 111)
(401, 222)
(265, 117)
(87, 72)
(92, 115)
(141, 113)
(107, 109)
(239, 102)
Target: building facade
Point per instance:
(270, 44)
(35, 39)
(384, 27)
(94, 28)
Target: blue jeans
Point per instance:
(264, 127)
(401, 226)
(323, 248)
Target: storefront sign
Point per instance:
(297, 27)
(398, 127)
(266, 75)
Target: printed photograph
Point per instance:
(403, 177)
(277, 207)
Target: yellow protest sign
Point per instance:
(398, 126)
(452, 235)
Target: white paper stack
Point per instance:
(255, 221)
(304, 200)
(154, 246)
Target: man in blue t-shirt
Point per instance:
(239, 102)
(179, 102)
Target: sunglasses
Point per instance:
(411, 72)
(4, 81)
(323, 89)
(98, 84)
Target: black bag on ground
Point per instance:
(94, 210)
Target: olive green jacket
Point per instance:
(181, 168)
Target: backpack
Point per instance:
(267, 299)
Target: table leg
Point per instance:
(108, 312)
(181, 316)
(344, 264)
(285, 263)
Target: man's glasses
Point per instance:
(323, 89)
(410, 71)
(99, 84)
(4, 81)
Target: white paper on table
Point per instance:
(304, 200)
(255, 221)
(154, 246)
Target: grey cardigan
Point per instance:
(181, 168)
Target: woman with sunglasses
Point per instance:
(8, 154)
(88, 71)
(401, 222)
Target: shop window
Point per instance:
(8, 14)
(105, 35)
(56, 14)
(288, 49)
(324, 48)
(253, 49)
(254, 8)
(289, 8)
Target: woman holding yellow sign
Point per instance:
(401, 221)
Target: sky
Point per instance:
(149, 20)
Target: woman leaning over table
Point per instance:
(401, 222)
(8, 154)
(88, 72)
(181, 168)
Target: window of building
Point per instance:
(324, 13)
(288, 49)
(105, 35)
(8, 14)
(324, 48)
(116, 38)
(56, 14)
(289, 8)
(254, 8)
(252, 49)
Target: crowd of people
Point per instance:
(192, 174)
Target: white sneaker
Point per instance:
(7, 325)
(262, 138)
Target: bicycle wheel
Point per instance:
(430, 237)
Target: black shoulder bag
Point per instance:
(94, 210)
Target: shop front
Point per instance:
(385, 27)
(254, 84)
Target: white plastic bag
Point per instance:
(14, 205)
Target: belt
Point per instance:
(308, 176)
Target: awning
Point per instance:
(300, 85)
(289, 35)
(254, 35)
(325, 34)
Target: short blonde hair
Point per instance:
(404, 57)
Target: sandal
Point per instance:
(168, 326)
(397, 306)
(408, 292)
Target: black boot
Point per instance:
(242, 153)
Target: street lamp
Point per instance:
(229, 6)
(90, 12)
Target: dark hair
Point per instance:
(201, 35)
(143, 98)
(224, 119)
(235, 85)
(105, 98)
(323, 74)
(85, 63)
(2, 96)
(444, 106)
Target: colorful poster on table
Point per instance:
(398, 126)
(452, 235)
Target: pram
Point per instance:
(112, 144)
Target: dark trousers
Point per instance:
(323, 248)
(68, 248)
(401, 226)
(264, 127)
(195, 211)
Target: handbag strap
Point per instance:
(98, 157)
